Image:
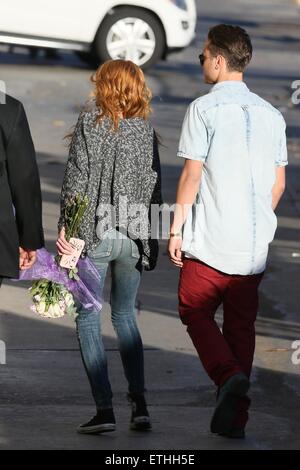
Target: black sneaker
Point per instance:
(104, 421)
(234, 388)
(140, 420)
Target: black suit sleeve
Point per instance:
(24, 183)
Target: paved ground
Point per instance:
(44, 393)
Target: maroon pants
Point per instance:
(201, 290)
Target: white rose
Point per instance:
(63, 310)
(57, 310)
(41, 307)
(69, 300)
(51, 312)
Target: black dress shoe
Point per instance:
(235, 433)
(233, 389)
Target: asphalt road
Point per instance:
(44, 392)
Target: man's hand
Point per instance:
(27, 258)
(64, 247)
(188, 187)
(174, 249)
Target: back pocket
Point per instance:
(103, 250)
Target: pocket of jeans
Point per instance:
(103, 250)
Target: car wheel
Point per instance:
(87, 57)
(130, 34)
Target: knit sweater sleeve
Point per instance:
(76, 173)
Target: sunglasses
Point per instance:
(202, 59)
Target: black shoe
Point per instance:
(140, 420)
(235, 433)
(234, 388)
(104, 421)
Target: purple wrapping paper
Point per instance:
(86, 291)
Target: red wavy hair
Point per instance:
(121, 91)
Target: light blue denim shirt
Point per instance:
(240, 138)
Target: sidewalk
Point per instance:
(44, 393)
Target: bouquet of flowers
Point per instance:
(51, 300)
(56, 289)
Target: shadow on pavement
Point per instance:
(44, 394)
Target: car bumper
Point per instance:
(180, 32)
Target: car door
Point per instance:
(42, 18)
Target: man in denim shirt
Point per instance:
(234, 146)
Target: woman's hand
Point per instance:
(64, 247)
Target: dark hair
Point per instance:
(233, 43)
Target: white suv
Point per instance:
(140, 30)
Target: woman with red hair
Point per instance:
(114, 161)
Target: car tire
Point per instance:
(119, 25)
(87, 57)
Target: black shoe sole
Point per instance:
(100, 429)
(233, 435)
(142, 425)
(226, 409)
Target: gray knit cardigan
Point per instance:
(105, 164)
